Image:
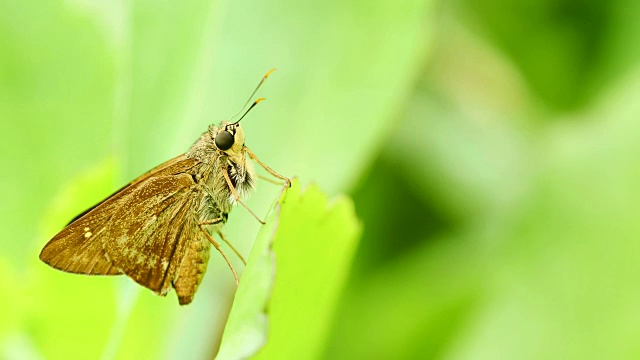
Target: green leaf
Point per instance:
(295, 274)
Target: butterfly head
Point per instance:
(228, 137)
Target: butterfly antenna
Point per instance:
(251, 96)
(249, 109)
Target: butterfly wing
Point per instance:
(148, 237)
(130, 186)
(78, 248)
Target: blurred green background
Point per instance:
(490, 148)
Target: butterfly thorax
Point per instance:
(216, 199)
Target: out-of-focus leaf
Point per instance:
(565, 277)
(56, 86)
(556, 44)
(467, 131)
(62, 305)
(423, 299)
(549, 275)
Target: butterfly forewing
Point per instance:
(148, 238)
(180, 160)
(79, 248)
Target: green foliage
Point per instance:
(490, 152)
(282, 291)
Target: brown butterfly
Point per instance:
(156, 230)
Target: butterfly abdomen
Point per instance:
(192, 269)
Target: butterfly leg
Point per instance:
(236, 196)
(253, 156)
(217, 246)
(269, 180)
(287, 182)
(224, 238)
(231, 246)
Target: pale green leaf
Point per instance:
(295, 275)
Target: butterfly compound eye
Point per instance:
(224, 140)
